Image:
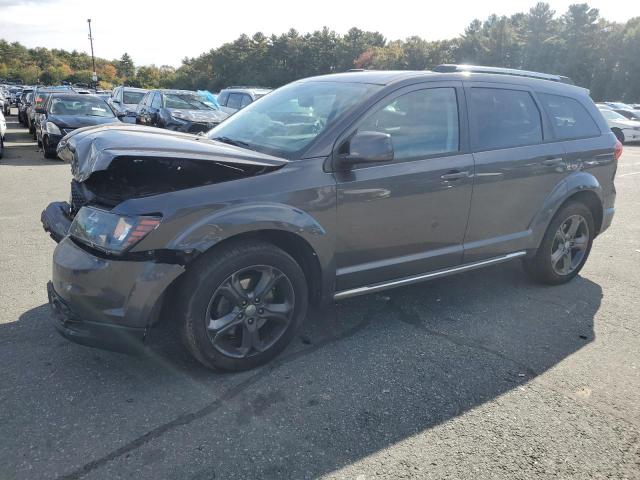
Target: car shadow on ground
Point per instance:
(365, 374)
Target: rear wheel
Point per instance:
(1, 147)
(565, 246)
(241, 305)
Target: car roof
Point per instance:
(135, 89)
(253, 90)
(73, 96)
(389, 77)
(172, 90)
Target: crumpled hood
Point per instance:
(93, 149)
(205, 116)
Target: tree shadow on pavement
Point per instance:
(362, 376)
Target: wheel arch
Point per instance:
(580, 186)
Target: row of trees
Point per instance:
(600, 55)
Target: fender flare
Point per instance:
(573, 184)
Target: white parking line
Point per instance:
(627, 174)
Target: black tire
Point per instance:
(1, 147)
(46, 150)
(210, 275)
(619, 135)
(542, 267)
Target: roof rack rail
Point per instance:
(448, 67)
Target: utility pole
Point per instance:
(93, 60)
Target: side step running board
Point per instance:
(376, 287)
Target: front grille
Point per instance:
(78, 198)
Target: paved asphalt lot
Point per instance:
(482, 375)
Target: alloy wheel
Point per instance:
(250, 311)
(569, 245)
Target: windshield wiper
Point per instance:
(231, 141)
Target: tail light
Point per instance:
(617, 151)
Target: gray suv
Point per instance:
(233, 99)
(327, 188)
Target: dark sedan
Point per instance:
(66, 112)
(178, 110)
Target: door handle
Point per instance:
(455, 175)
(553, 162)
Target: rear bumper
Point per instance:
(607, 218)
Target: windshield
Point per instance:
(132, 98)
(611, 115)
(289, 119)
(185, 101)
(92, 107)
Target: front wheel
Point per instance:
(565, 246)
(241, 305)
(47, 152)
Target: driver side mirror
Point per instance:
(121, 115)
(367, 147)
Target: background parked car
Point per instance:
(624, 129)
(14, 95)
(66, 112)
(126, 100)
(179, 110)
(23, 104)
(619, 105)
(40, 101)
(3, 130)
(630, 114)
(233, 99)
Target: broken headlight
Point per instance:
(110, 232)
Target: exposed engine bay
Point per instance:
(130, 177)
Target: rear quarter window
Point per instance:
(503, 118)
(568, 116)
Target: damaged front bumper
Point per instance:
(104, 302)
(55, 220)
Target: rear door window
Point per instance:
(421, 123)
(568, 117)
(503, 118)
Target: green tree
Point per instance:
(125, 67)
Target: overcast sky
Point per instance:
(164, 32)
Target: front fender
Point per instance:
(244, 218)
(576, 182)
